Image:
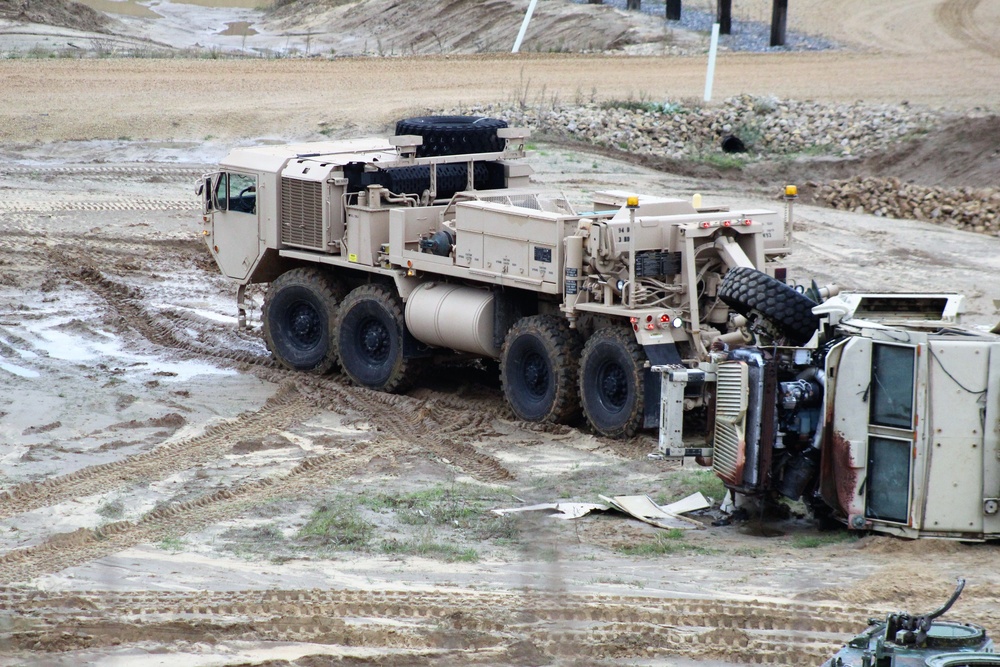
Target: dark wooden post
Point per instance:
(725, 16)
(673, 10)
(633, 4)
(779, 16)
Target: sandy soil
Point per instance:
(159, 471)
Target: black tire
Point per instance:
(454, 135)
(612, 376)
(369, 339)
(538, 368)
(299, 315)
(745, 290)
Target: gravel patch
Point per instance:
(766, 126)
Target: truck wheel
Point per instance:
(538, 366)
(370, 339)
(299, 317)
(745, 289)
(612, 371)
(454, 135)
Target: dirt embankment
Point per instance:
(63, 13)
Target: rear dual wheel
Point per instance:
(612, 376)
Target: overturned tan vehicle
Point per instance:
(888, 419)
(386, 255)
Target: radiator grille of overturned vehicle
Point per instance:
(302, 214)
(730, 421)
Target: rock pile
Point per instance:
(766, 125)
(972, 209)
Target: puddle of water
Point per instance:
(17, 370)
(63, 346)
(145, 10)
(230, 4)
(238, 29)
(122, 7)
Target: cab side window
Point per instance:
(236, 192)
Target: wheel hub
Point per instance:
(305, 325)
(536, 375)
(375, 340)
(614, 385)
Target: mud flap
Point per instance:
(658, 355)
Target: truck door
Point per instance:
(234, 237)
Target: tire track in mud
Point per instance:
(85, 545)
(131, 204)
(568, 625)
(284, 408)
(126, 304)
(442, 427)
(957, 17)
(103, 171)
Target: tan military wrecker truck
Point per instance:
(385, 255)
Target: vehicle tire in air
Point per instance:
(454, 135)
(745, 289)
(299, 317)
(369, 339)
(612, 375)
(538, 368)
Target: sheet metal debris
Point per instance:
(558, 510)
(639, 507)
(644, 509)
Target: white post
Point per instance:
(524, 26)
(713, 47)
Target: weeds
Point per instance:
(723, 160)
(664, 543)
(114, 509)
(816, 541)
(428, 549)
(258, 540)
(338, 526)
(685, 482)
(172, 544)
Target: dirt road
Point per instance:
(199, 99)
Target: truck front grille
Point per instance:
(729, 455)
(302, 214)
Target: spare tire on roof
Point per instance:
(454, 135)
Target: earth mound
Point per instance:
(62, 13)
(389, 27)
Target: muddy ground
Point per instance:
(171, 497)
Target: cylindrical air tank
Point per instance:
(452, 316)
